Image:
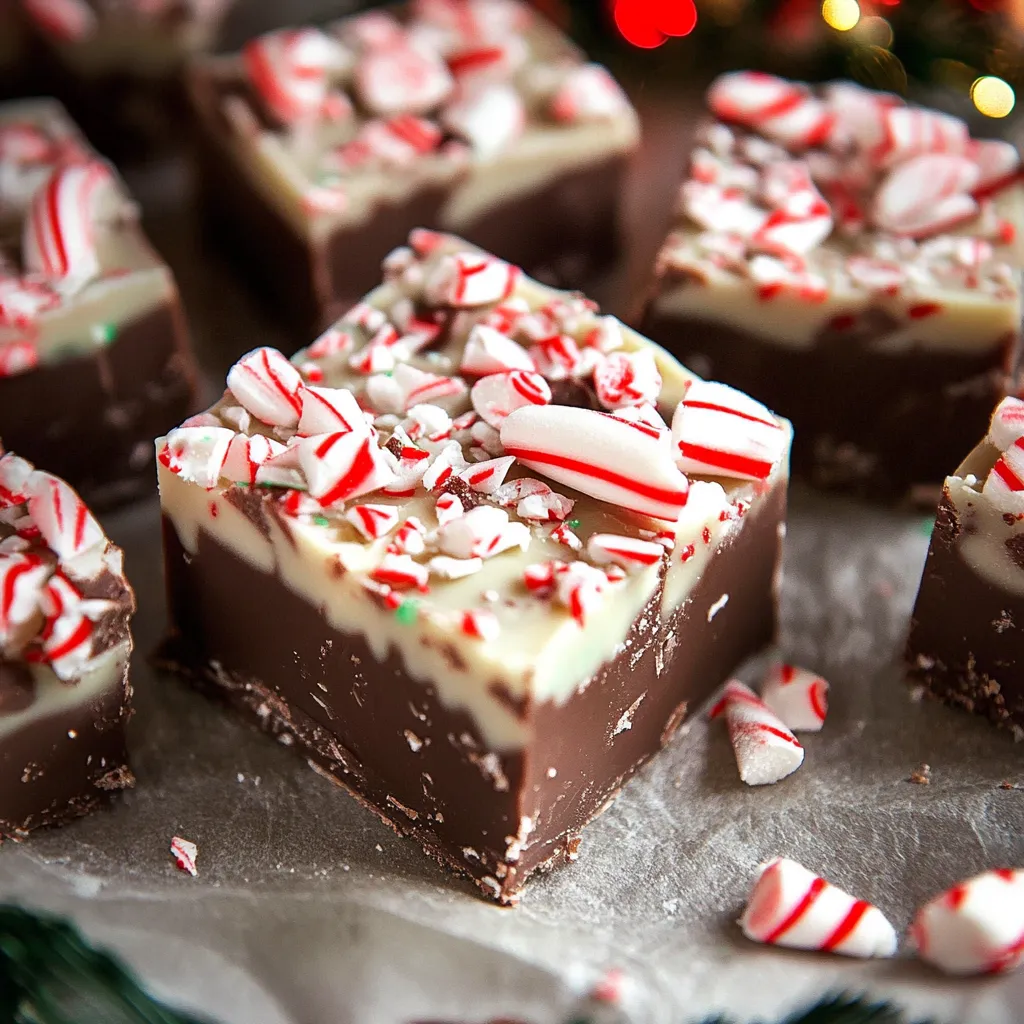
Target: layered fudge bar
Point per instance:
(477, 551)
(849, 260)
(94, 359)
(965, 645)
(323, 148)
(65, 639)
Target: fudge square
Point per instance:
(94, 360)
(322, 149)
(965, 644)
(456, 553)
(849, 260)
(65, 640)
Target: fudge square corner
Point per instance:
(321, 148)
(477, 551)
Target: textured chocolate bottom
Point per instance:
(91, 419)
(874, 424)
(60, 767)
(966, 644)
(496, 816)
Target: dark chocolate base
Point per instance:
(246, 636)
(62, 766)
(92, 419)
(877, 425)
(966, 644)
(565, 233)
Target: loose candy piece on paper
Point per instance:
(791, 906)
(798, 696)
(185, 853)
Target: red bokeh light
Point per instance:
(675, 17)
(648, 23)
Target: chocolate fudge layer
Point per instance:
(93, 351)
(65, 641)
(965, 645)
(456, 551)
(851, 261)
(321, 149)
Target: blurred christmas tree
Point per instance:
(888, 44)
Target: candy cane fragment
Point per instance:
(465, 280)
(588, 93)
(1004, 486)
(342, 466)
(799, 697)
(401, 80)
(22, 578)
(66, 20)
(373, 521)
(66, 525)
(1007, 423)
(631, 553)
(328, 410)
(490, 120)
(198, 454)
(791, 906)
(498, 395)
(489, 351)
(268, 386)
(926, 195)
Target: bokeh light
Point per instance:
(633, 18)
(674, 17)
(842, 15)
(992, 96)
(874, 31)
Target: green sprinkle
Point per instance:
(407, 612)
(321, 520)
(104, 334)
(573, 524)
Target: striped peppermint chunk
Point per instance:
(798, 224)
(401, 572)
(774, 277)
(268, 386)
(23, 143)
(282, 470)
(998, 165)
(1004, 486)
(22, 299)
(489, 351)
(410, 538)
(624, 379)
(371, 30)
(1007, 423)
(401, 80)
(480, 624)
(588, 93)
(482, 532)
(410, 467)
(490, 119)
(926, 195)
(600, 455)
(498, 395)
(334, 342)
(290, 71)
(766, 751)
(22, 579)
(631, 553)
(59, 235)
(343, 465)
(799, 697)
(15, 473)
(498, 61)
(66, 525)
(448, 462)
(68, 21)
(976, 927)
(391, 142)
(244, 457)
(791, 906)
(67, 638)
(329, 411)
(721, 431)
(448, 507)
(466, 280)
(17, 357)
(198, 454)
(475, 21)
(580, 588)
(407, 387)
(914, 131)
(875, 275)
(721, 210)
(487, 477)
(860, 115)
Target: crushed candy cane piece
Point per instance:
(562, 534)
(373, 521)
(448, 507)
(401, 572)
(409, 538)
(498, 395)
(329, 410)
(489, 351)
(401, 80)
(798, 696)
(630, 553)
(926, 195)
(333, 342)
(487, 477)
(480, 624)
(268, 386)
(490, 119)
(480, 533)
(588, 93)
(1007, 423)
(627, 378)
(1004, 486)
(184, 853)
(60, 515)
(580, 588)
(465, 280)
(342, 466)
(22, 578)
(454, 568)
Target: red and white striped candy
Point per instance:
(561, 534)
(588, 93)
(395, 142)
(401, 572)
(198, 454)
(447, 508)
(184, 853)
(410, 468)
(631, 553)
(282, 470)
(783, 111)
(400, 80)
(797, 696)
(558, 357)
(448, 462)
(371, 30)
(17, 357)
(489, 351)
(268, 386)
(60, 515)
(721, 210)
(490, 119)
(333, 342)
(774, 277)
(580, 588)
(25, 143)
(22, 578)
(721, 431)
(67, 643)
(66, 20)
(791, 906)
(605, 336)
(289, 70)
(480, 624)
(998, 165)
(329, 410)
(15, 473)
(59, 236)
(495, 61)
(342, 466)
(860, 115)
(475, 20)
(1004, 486)
(466, 280)
(1007, 423)
(498, 395)
(926, 194)
(876, 275)
(454, 568)
(766, 751)
(915, 131)
(626, 379)
(244, 457)
(486, 477)
(22, 299)
(410, 538)
(545, 507)
(480, 533)
(407, 387)
(801, 222)
(429, 421)
(599, 455)
(977, 927)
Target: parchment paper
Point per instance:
(307, 910)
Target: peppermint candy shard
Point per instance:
(60, 515)
(401, 572)
(198, 455)
(480, 624)
(720, 431)
(341, 466)
(22, 578)
(976, 927)
(798, 696)
(329, 410)
(626, 379)
(373, 521)
(632, 554)
(490, 119)
(1004, 486)
(498, 395)
(766, 751)
(449, 568)
(14, 479)
(268, 386)
(402, 80)
(489, 351)
(1007, 423)
(184, 853)
(926, 195)
(486, 477)
(791, 906)
(482, 532)
(588, 93)
(600, 455)
(465, 280)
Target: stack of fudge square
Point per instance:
(477, 550)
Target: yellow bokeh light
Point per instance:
(992, 96)
(842, 15)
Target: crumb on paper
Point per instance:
(184, 853)
(922, 775)
(1007, 784)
